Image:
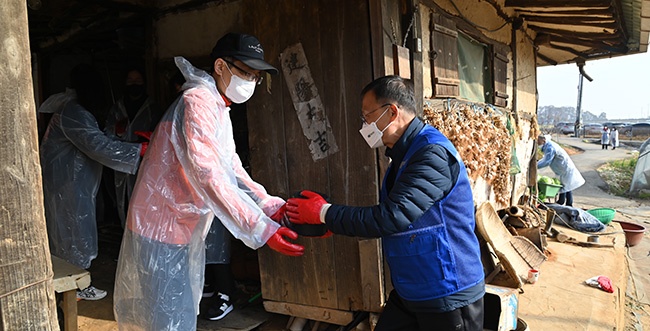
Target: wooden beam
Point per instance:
(547, 59)
(569, 50)
(581, 35)
(557, 3)
(415, 45)
(578, 12)
(588, 43)
(372, 280)
(327, 315)
(99, 23)
(376, 38)
(589, 21)
(569, 23)
(26, 294)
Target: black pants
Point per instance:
(565, 197)
(397, 316)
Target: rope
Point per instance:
(50, 276)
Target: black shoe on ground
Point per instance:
(219, 308)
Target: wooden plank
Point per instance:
(265, 109)
(572, 20)
(401, 61)
(328, 275)
(445, 56)
(286, 278)
(68, 276)
(331, 316)
(500, 77)
(376, 38)
(372, 277)
(69, 307)
(26, 293)
(445, 30)
(353, 170)
(447, 81)
(558, 3)
(414, 42)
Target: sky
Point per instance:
(621, 86)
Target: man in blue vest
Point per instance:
(425, 217)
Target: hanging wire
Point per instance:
(392, 29)
(476, 25)
(409, 27)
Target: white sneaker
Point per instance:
(91, 293)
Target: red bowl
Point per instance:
(633, 232)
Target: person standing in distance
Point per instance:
(425, 217)
(189, 175)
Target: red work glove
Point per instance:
(144, 146)
(305, 210)
(280, 214)
(280, 245)
(144, 134)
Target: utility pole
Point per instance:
(581, 64)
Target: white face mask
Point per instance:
(371, 133)
(239, 90)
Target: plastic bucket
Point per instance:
(633, 232)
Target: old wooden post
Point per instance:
(26, 293)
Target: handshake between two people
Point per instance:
(299, 215)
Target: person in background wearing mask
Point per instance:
(604, 138)
(190, 174)
(425, 217)
(73, 152)
(132, 118)
(614, 138)
(562, 165)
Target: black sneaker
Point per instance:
(219, 308)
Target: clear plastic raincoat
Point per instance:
(72, 154)
(562, 166)
(604, 137)
(118, 125)
(190, 174)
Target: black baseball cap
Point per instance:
(244, 48)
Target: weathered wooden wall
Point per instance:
(336, 39)
(26, 291)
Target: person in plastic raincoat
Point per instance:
(190, 174)
(604, 138)
(131, 116)
(614, 138)
(73, 151)
(562, 166)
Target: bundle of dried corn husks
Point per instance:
(480, 136)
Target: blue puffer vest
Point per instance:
(439, 254)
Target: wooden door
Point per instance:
(335, 37)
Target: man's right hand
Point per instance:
(278, 243)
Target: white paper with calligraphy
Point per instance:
(307, 102)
